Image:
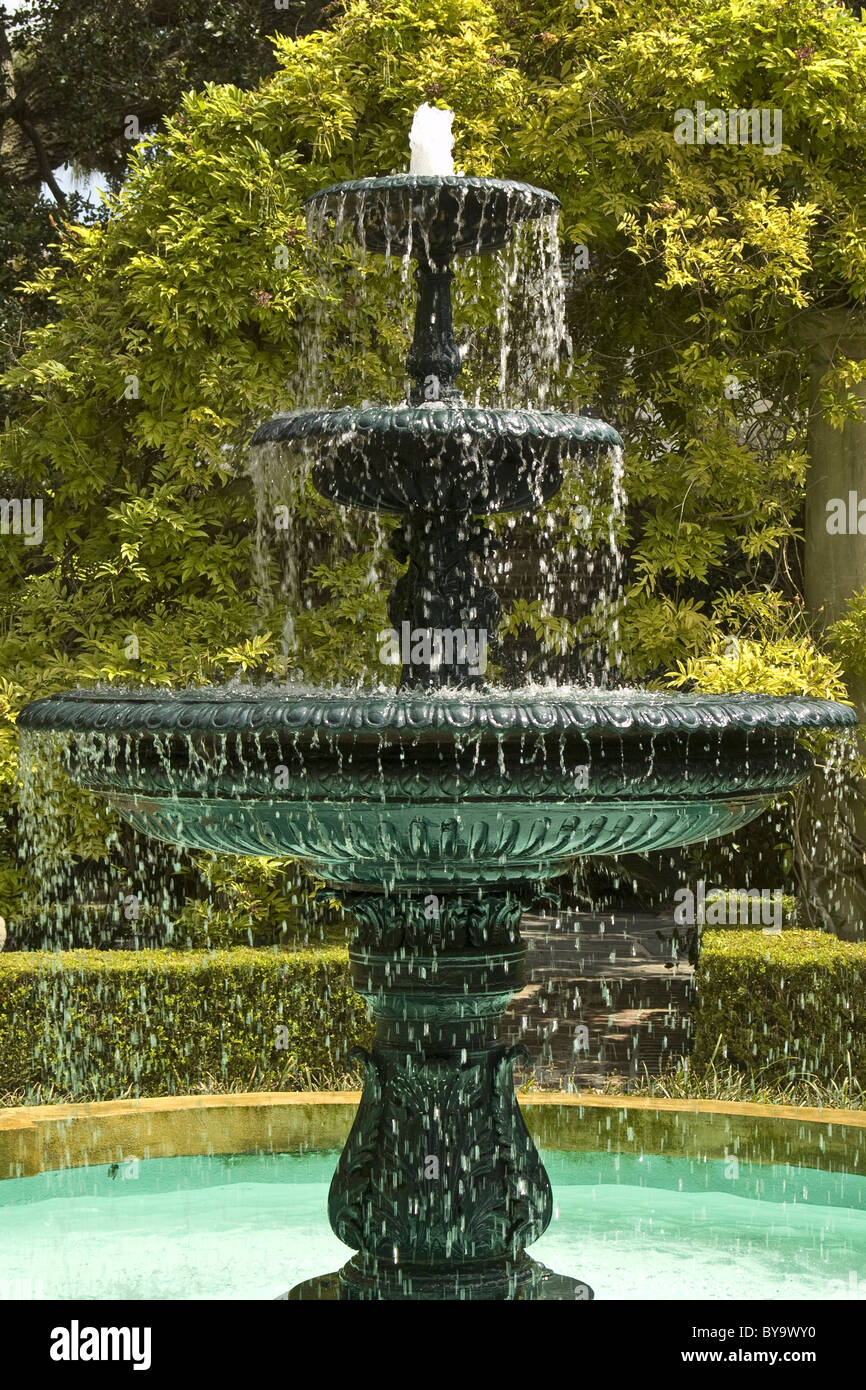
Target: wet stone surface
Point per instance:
(600, 1002)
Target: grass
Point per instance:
(682, 1081)
(679, 1081)
(301, 1078)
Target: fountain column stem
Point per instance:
(434, 360)
(441, 592)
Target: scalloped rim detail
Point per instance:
(385, 183)
(445, 420)
(413, 712)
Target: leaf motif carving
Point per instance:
(490, 1195)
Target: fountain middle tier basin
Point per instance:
(441, 457)
(434, 790)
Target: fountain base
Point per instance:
(363, 1280)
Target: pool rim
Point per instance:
(40, 1138)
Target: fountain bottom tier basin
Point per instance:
(437, 790)
(632, 1222)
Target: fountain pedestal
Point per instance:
(440, 1187)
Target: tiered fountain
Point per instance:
(426, 807)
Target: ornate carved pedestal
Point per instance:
(440, 1187)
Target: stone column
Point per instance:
(835, 564)
(833, 828)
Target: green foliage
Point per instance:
(177, 328)
(25, 232)
(777, 668)
(255, 902)
(791, 1005)
(769, 651)
(84, 66)
(847, 637)
(95, 1024)
(731, 906)
(703, 261)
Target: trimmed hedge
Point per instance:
(96, 1024)
(794, 1003)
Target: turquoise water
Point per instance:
(250, 1226)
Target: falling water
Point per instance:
(510, 312)
(280, 479)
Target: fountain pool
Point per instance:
(659, 1201)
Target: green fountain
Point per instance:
(427, 807)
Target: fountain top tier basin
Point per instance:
(438, 458)
(433, 790)
(433, 217)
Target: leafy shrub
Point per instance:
(794, 1003)
(96, 1024)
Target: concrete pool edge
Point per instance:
(34, 1139)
